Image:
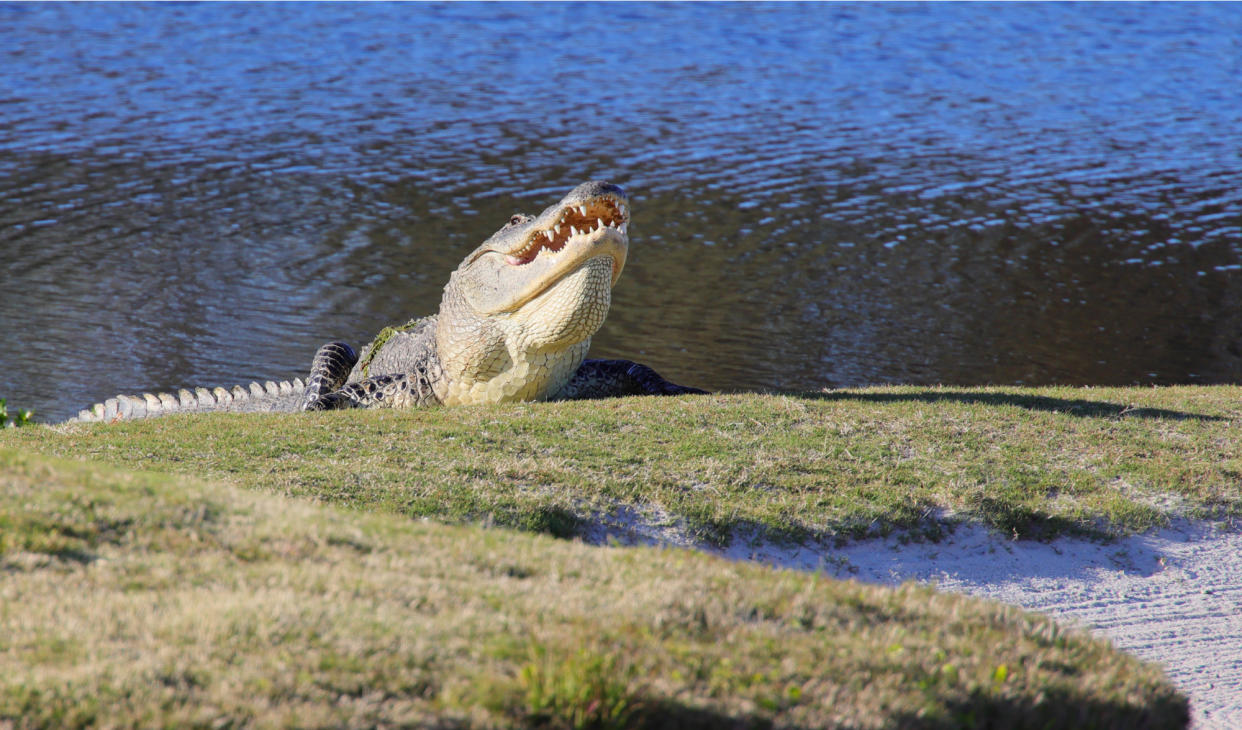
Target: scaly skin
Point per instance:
(515, 323)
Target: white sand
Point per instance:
(1172, 597)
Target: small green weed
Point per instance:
(585, 689)
(13, 420)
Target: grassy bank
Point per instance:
(1029, 462)
(130, 598)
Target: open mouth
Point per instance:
(584, 219)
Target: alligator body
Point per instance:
(514, 324)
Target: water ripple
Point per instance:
(825, 195)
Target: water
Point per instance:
(824, 195)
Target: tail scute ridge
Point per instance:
(267, 396)
(152, 402)
(130, 407)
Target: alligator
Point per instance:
(514, 324)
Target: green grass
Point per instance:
(843, 464)
(131, 598)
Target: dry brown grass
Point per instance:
(135, 599)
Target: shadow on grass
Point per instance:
(980, 710)
(1029, 522)
(663, 714)
(73, 555)
(1069, 406)
(1057, 709)
(541, 519)
(63, 554)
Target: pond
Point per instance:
(824, 195)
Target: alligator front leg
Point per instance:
(615, 378)
(382, 391)
(399, 390)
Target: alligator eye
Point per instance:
(519, 218)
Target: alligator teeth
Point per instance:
(557, 227)
(573, 232)
(582, 210)
(551, 236)
(599, 224)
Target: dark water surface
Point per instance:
(824, 195)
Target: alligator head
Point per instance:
(518, 313)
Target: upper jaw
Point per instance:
(584, 215)
(530, 256)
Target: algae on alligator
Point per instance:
(515, 323)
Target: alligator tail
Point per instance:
(285, 396)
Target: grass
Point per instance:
(835, 465)
(138, 598)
